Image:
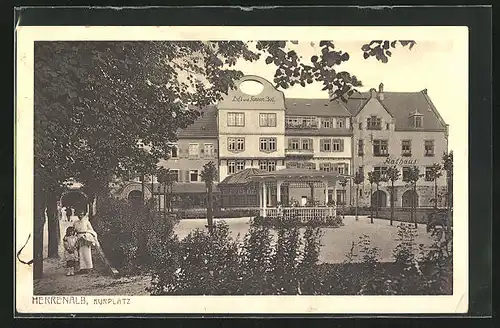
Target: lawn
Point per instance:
(336, 241)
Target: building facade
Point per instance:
(251, 129)
(267, 132)
(402, 129)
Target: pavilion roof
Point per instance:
(241, 178)
(297, 174)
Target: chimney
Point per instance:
(373, 92)
(381, 91)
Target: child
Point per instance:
(70, 250)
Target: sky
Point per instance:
(430, 65)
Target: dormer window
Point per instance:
(416, 120)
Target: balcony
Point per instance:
(302, 125)
(299, 152)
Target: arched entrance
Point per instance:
(379, 199)
(73, 201)
(135, 197)
(409, 198)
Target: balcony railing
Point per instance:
(299, 152)
(313, 126)
(304, 213)
(374, 127)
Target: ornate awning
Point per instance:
(241, 178)
(297, 175)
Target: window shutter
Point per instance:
(290, 143)
(187, 176)
(341, 144)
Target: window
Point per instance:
(429, 147)
(340, 123)
(374, 123)
(418, 121)
(267, 119)
(342, 169)
(361, 126)
(240, 166)
(174, 174)
(193, 176)
(208, 149)
(235, 166)
(341, 196)
(380, 148)
(194, 150)
(267, 165)
(327, 167)
(327, 123)
(301, 165)
(174, 152)
(338, 145)
(325, 145)
(294, 144)
(231, 167)
(307, 144)
(406, 147)
(236, 119)
(361, 147)
(429, 175)
(301, 122)
(387, 126)
(236, 144)
(381, 170)
(267, 144)
(406, 173)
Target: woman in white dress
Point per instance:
(87, 238)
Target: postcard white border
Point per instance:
(26, 36)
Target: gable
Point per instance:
(268, 99)
(376, 108)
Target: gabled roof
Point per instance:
(205, 126)
(315, 107)
(401, 105)
(242, 177)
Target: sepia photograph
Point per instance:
(243, 163)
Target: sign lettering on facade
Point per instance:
(400, 161)
(253, 99)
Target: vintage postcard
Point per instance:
(235, 169)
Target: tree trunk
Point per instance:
(415, 205)
(38, 223)
(210, 218)
(143, 189)
(371, 203)
(165, 200)
(343, 205)
(392, 202)
(53, 226)
(435, 195)
(357, 201)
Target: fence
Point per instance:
(304, 213)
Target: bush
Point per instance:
(279, 260)
(296, 222)
(127, 233)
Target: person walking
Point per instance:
(87, 238)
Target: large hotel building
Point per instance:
(245, 134)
